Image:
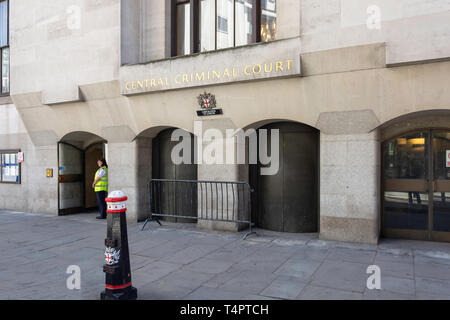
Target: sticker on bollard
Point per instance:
(117, 257)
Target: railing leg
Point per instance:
(150, 220)
(145, 223)
(249, 233)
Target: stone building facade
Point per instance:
(365, 84)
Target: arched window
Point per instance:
(206, 25)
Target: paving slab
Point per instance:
(343, 275)
(433, 286)
(395, 269)
(208, 265)
(302, 269)
(249, 282)
(351, 255)
(312, 292)
(208, 293)
(284, 287)
(432, 270)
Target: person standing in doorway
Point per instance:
(100, 186)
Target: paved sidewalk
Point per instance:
(181, 262)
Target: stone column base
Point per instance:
(221, 226)
(349, 230)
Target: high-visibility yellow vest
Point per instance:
(102, 184)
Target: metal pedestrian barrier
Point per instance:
(199, 200)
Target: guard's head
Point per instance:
(102, 162)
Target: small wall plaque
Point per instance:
(49, 173)
(209, 112)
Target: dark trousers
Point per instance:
(101, 196)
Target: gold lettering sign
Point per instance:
(255, 70)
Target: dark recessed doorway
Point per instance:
(165, 168)
(288, 200)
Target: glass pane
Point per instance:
(225, 24)
(183, 29)
(268, 20)
(5, 70)
(405, 210)
(441, 211)
(244, 13)
(207, 25)
(441, 150)
(3, 23)
(10, 168)
(405, 157)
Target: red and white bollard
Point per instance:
(117, 257)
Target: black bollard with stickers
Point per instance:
(117, 258)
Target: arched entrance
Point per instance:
(78, 153)
(288, 200)
(163, 167)
(416, 185)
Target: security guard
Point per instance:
(100, 186)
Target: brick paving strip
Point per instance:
(178, 261)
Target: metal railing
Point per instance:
(187, 200)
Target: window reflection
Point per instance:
(207, 25)
(441, 211)
(405, 157)
(5, 70)
(406, 210)
(183, 28)
(3, 23)
(268, 20)
(225, 24)
(244, 14)
(441, 155)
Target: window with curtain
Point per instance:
(206, 25)
(4, 45)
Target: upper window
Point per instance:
(4, 45)
(10, 167)
(205, 25)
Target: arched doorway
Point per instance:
(288, 200)
(416, 185)
(78, 153)
(174, 197)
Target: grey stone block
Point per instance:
(343, 275)
(385, 295)
(302, 269)
(432, 286)
(284, 287)
(249, 282)
(190, 254)
(398, 285)
(395, 269)
(209, 266)
(312, 292)
(432, 270)
(359, 256)
(208, 293)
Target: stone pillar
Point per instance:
(349, 178)
(349, 187)
(218, 172)
(130, 171)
